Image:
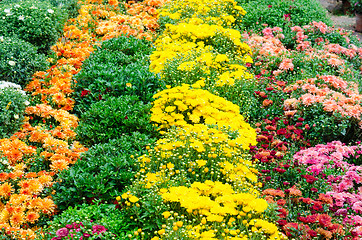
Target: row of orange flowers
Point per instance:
(48, 132)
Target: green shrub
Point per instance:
(119, 67)
(36, 22)
(102, 173)
(12, 106)
(101, 214)
(19, 60)
(113, 117)
(281, 13)
(70, 6)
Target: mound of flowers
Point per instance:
(258, 135)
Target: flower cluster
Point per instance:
(45, 143)
(181, 106)
(222, 13)
(202, 174)
(345, 181)
(198, 179)
(81, 231)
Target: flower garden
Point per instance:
(178, 119)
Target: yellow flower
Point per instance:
(166, 214)
(179, 224)
(133, 199)
(201, 163)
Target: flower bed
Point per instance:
(193, 129)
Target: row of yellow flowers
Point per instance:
(199, 177)
(48, 133)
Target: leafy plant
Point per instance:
(102, 173)
(19, 60)
(36, 22)
(103, 216)
(12, 106)
(113, 117)
(281, 13)
(118, 67)
(70, 6)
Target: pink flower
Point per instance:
(296, 29)
(63, 232)
(98, 229)
(357, 206)
(287, 64)
(268, 32)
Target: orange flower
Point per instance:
(273, 192)
(3, 176)
(113, 2)
(293, 191)
(325, 234)
(17, 219)
(47, 206)
(267, 102)
(286, 64)
(32, 216)
(59, 165)
(6, 190)
(325, 198)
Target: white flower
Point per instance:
(26, 102)
(12, 63)
(16, 6)
(2, 38)
(16, 116)
(21, 18)
(50, 11)
(7, 10)
(4, 84)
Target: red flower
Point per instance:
(287, 17)
(324, 220)
(312, 233)
(282, 222)
(311, 218)
(317, 206)
(310, 179)
(84, 93)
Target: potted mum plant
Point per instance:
(357, 7)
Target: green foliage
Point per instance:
(113, 117)
(19, 60)
(36, 22)
(70, 6)
(119, 67)
(281, 13)
(327, 127)
(12, 107)
(100, 214)
(102, 173)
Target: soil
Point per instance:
(340, 18)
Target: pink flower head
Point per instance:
(277, 29)
(268, 32)
(286, 64)
(98, 229)
(357, 206)
(63, 232)
(287, 17)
